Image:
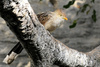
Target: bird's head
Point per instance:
(61, 14)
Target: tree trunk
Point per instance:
(43, 49)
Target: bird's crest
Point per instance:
(60, 12)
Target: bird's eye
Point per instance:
(60, 15)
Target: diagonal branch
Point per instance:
(43, 49)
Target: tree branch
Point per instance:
(43, 49)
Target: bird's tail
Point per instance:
(12, 55)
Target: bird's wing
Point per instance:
(44, 17)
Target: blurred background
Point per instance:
(80, 32)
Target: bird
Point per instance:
(50, 20)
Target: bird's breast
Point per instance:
(53, 23)
(58, 21)
(49, 26)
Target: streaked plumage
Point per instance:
(52, 20)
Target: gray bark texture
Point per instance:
(44, 50)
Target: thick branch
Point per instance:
(43, 49)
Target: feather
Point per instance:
(44, 17)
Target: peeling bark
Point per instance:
(43, 49)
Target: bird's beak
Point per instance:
(65, 18)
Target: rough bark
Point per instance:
(43, 49)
